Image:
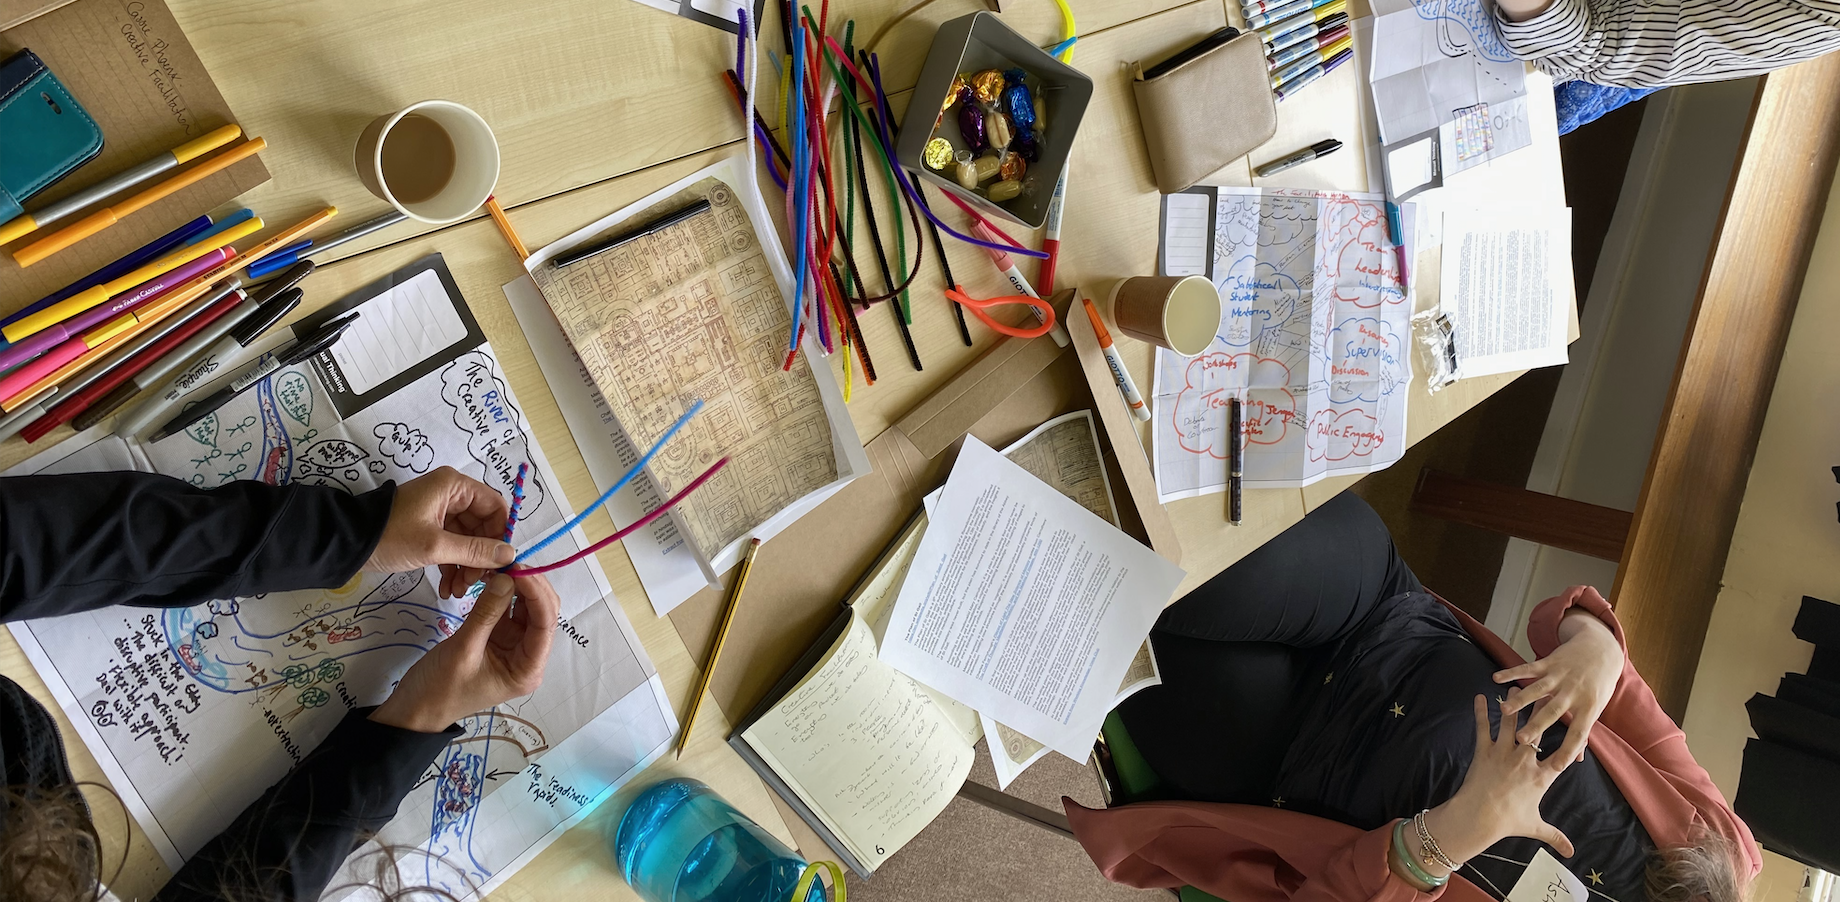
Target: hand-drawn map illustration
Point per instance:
(193, 712)
(693, 311)
(1313, 340)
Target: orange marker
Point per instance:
(504, 228)
(1127, 388)
(108, 216)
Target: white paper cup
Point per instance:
(475, 171)
(1180, 313)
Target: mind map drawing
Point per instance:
(194, 711)
(1465, 27)
(1312, 341)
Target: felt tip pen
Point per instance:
(1051, 235)
(1007, 267)
(1316, 47)
(279, 260)
(27, 223)
(80, 408)
(1306, 31)
(1236, 460)
(355, 232)
(1283, 11)
(219, 227)
(1309, 61)
(1396, 233)
(31, 346)
(1314, 151)
(192, 364)
(267, 365)
(1290, 88)
(1133, 399)
(129, 262)
(1305, 19)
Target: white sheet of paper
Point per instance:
(1433, 58)
(1023, 604)
(1185, 234)
(1546, 880)
(1507, 286)
(398, 329)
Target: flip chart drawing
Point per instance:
(1313, 340)
(193, 712)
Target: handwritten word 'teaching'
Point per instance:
(148, 691)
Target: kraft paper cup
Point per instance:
(475, 162)
(1180, 313)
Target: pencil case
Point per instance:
(44, 133)
(1207, 112)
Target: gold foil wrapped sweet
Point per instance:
(1041, 114)
(1005, 190)
(1012, 168)
(958, 87)
(938, 154)
(988, 85)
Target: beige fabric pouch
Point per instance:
(1207, 112)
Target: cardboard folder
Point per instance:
(131, 67)
(802, 575)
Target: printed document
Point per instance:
(1025, 605)
(1507, 287)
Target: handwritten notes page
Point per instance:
(866, 748)
(698, 311)
(1314, 339)
(194, 711)
(1024, 605)
(1443, 64)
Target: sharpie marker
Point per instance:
(1307, 19)
(267, 365)
(192, 363)
(1133, 399)
(1309, 32)
(1282, 12)
(1320, 57)
(1007, 266)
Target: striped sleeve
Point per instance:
(1654, 43)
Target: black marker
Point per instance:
(302, 349)
(1236, 461)
(662, 222)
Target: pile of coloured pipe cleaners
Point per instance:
(829, 287)
(517, 497)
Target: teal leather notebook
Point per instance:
(44, 133)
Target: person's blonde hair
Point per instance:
(49, 850)
(1706, 871)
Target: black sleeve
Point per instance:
(77, 542)
(288, 844)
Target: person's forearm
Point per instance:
(1522, 10)
(1451, 827)
(1579, 621)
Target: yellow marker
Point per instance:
(108, 216)
(26, 223)
(90, 297)
(715, 645)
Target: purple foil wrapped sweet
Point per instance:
(971, 123)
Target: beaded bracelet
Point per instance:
(1418, 873)
(1432, 854)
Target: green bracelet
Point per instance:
(1418, 873)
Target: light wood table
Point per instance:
(590, 120)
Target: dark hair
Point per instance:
(1706, 871)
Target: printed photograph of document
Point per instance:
(1025, 605)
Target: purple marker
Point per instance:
(51, 336)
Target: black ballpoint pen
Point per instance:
(302, 349)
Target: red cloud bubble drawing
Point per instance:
(1210, 382)
(1339, 435)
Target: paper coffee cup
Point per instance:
(436, 161)
(1180, 313)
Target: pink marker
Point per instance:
(51, 336)
(1007, 267)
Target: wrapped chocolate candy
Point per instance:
(1019, 104)
(988, 166)
(1012, 167)
(938, 154)
(1005, 190)
(958, 87)
(997, 128)
(988, 85)
(1041, 114)
(1027, 148)
(966, 173)
(971, 123)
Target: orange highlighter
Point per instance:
(1132, 398)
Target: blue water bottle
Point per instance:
(680, 842)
